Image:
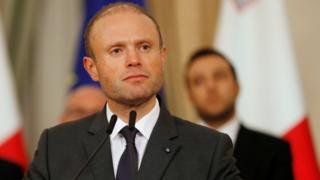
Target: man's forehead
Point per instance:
(206, 65)
(123, 27)
(110, 18)
(209, 61)
(121, 19)
(117, 11)
(121, 9)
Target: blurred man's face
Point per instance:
(128, 60)
(82, 102)
(212, 88)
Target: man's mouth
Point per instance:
(135, 77)
(212, 99)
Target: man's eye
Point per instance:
(145, 47)
(198, 81)
(220, 75)
(115, 51)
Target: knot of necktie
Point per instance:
(129, 134)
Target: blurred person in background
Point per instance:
(83, 101)
(213, 89)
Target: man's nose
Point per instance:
(133, 58)
(211, 84)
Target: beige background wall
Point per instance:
(41, 40)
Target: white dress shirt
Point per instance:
(145, 126)
(231, 128)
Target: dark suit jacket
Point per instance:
(10, 171)
(196, 153)
(262, 157)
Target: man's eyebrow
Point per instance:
(123, 43)
(113, 44)
(144, 40)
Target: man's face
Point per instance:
(82, 102)
(128, 60)
(212, 88)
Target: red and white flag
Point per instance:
(254, 34)
(11, 140)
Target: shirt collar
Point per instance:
(145, 125)
(231, 127)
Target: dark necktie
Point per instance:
(128, 164)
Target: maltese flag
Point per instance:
(11, 138)
(254, 34)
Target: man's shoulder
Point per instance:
(258, 150)
(72, 128)
(263, 140)
(192, 130)
(10, 170)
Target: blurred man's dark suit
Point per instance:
(10, 171)
(177, 149)
(262, 157)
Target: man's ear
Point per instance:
(237, 88)
(189, 94)
(90, 65)
(163, 55)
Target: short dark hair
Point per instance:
(112, 9)
(208, 52)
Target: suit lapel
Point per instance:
(161, 148)
(101, 164)
(238, 144)
(241, 144)
(245, 151)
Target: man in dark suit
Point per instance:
(126, 55)
(213, 89)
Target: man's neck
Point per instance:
(123, 111)
(217, 123)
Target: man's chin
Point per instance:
(136, 99)
(137, 95)
(218, 114)
(214, 111)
